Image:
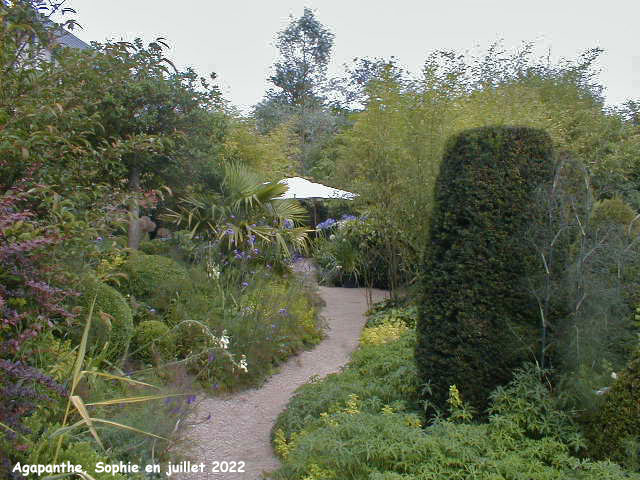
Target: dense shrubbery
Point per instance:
(352, 425)
(477, 321)
(85, 140)
(155, 275)
(349, 253)
(614, 431)
(112, 326)
(100, 146)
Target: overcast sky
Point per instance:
(235, 39)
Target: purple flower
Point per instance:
(229, 231)
(211, 357)
(245, 284)
(283, 311)
(328, 223)
(208, 417)
(191, 399)
(348, 217)
(216, 386)
(288, 224)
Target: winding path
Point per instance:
(240, 425)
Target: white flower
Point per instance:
(213, 271)
(223, 341)
(614, 375)
(243, 363)
(332, 237)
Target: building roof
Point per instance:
(68, 39)
(63, 36)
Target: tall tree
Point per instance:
(305, 49)
(299, 80)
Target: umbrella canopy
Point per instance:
(301, 188)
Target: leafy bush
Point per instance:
(263, 317)
(387, 324)
(392, 311)
(387, 332)
(82, 453)
(340, 428)
(116, 327)
(156, 417)
(612, 211)
(477, 322)
(350, 253)
(380, 374)
(155, 276)
(154, 339)
(600, 289)
(614, 431)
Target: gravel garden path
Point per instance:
(240, 425)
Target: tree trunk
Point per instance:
(135, 232)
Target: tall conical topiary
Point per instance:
(477, 321)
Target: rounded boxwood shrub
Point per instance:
(116, 328)
(614, 431)
(154, 338)
(612, 211)
(477, 322)
(154, 275)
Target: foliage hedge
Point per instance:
(614, 433)
(364, 423)
(155, 275)
(477, 322)
(116, 328)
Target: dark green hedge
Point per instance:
(477, 322)
(614, 432)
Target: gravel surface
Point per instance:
(240, 425)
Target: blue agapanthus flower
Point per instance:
(348, 217)
(288, 224)
(328, 223)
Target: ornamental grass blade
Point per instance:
(127, 427)
(141, 398)
(63, 430)
(118, 377)
(77, 374)
(82, 410)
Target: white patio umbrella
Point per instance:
(301, 188)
